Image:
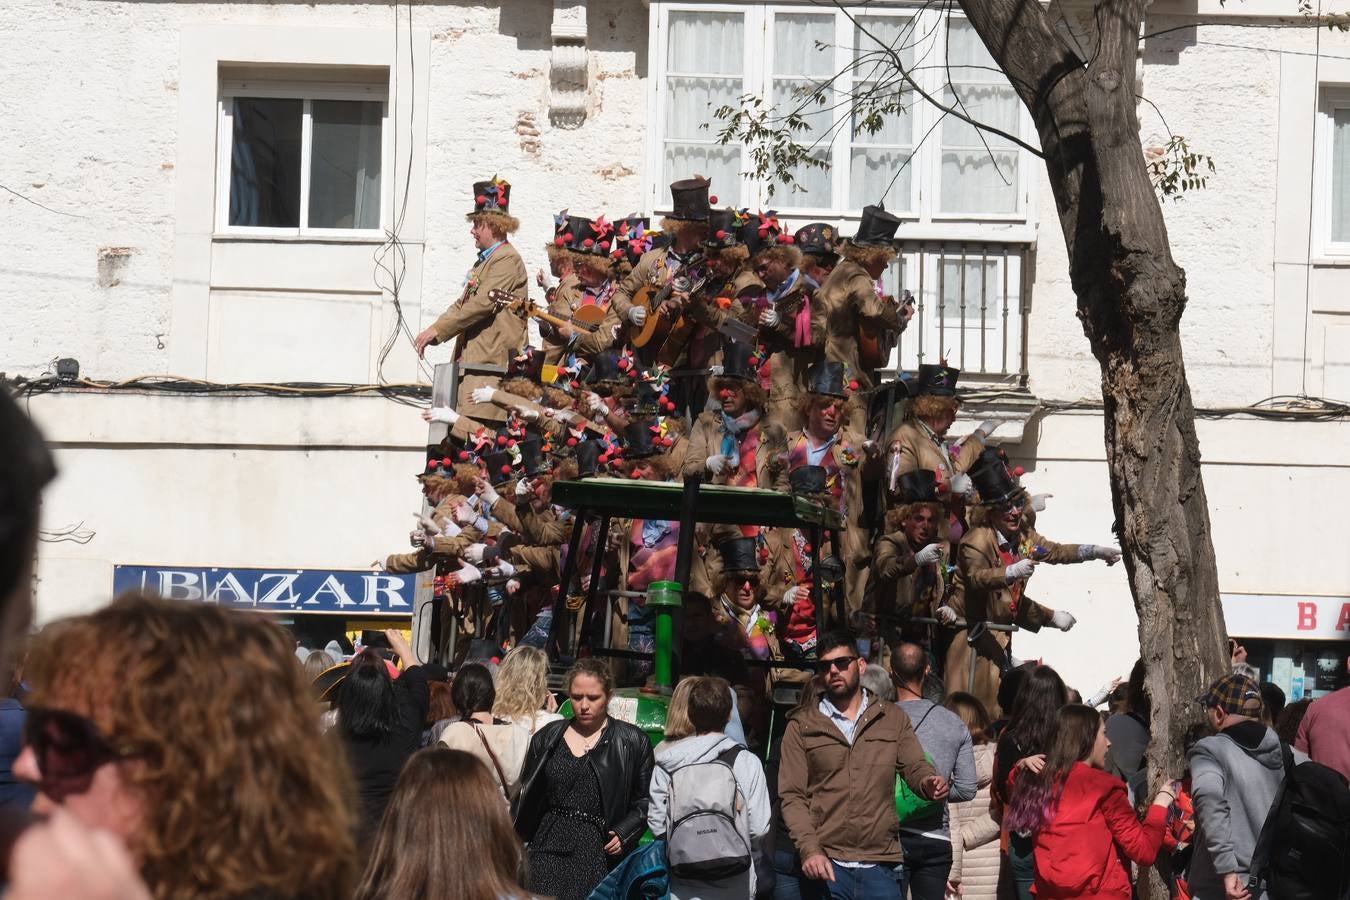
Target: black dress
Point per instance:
(567, 856)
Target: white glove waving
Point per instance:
(443, 414)
(428, 523)
(1108, 555)
(482, 394)
(988, 425)
(961, 483)
(468, 574)
(1038, 501)
(717, 464)
(505, 568)
(1062, 619)
(483, 488)
(523, 488)
(769, 318)
(450, 529)
(464, 514)
(929, 554)
(595, 403)
(638, 316)
(946, 615)
(474, 552)
(1021, 570)
(795, 593)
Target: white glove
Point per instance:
(987, 426)
(961, 483)
(442, 414)
(450, 529)
(489, 494)
(523, 488)
(769, 318)
(482, 394)
(929, 554)
(1108, 555)
(464, 513)
(638, 316)
(946, 615)
(1038, 501)
(505, 568)
(596, 404)
(716, 371)
(513, 586)
(795, 593)
(1062, 620)
(1020, 570)
(717, 464)
(474, 553)
(468, 574)
(527, 415)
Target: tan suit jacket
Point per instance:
(918, 448)
(706, 440)
(486, 337)
(566, 299)
(790, 365)
(848, 296)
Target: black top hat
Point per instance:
(592, 237)
(826, 377)
(725, 229)
(992, 480)
(528, 364)
(876, 228)
(808, 480)
(689, 199)
(532, 456)
(639, 439)
(739, 554)
(647, 399)
(937, 379)
(439, 461)
(498, 467)
(588, 458)
(817, 238)
(491, 196)
(764, 231)
(919, 486)
(605, 368)
(739, 361)
(632, 238)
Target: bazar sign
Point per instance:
(275, 590)
(1283, 616)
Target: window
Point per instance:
(923, 164)
(302, 160)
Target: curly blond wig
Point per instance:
(243, 795)
(598, 266)
(500, 223)
(785, 254)
(738, 254)
(755, 395)
(557, 255)
(931, 406)
(674, 227)
(868, 255)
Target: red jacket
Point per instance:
(1078, 854)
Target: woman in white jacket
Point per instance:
(974, 825)
(709, 707)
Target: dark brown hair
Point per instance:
(446, 811)
(592, 668)
(1036, 795)
(709, 704)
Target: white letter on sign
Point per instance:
(374, 591)
(171, 580)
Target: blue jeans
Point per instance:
(928, 862)
(788, 881)
(880, 882)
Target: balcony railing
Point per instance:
(971, 308)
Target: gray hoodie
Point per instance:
(1234, 778)
(671, 755)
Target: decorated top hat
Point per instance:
(632, 237)
(562, 228)
(826, 377)
(647, 399)
(817, 238)
(532, 456)
(876, 228)
(739, 361)
(689, 199)
(726, 228)
(528, 364)
(605, 368)
(919, 486)
(592, 237)
(499, 468)
(764, 231)
(491, 196)
(992, 480)
(588, 458)
(937, 379)
(808, 480)
(739, 554)
(639, 439)
(439, 462)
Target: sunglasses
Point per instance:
(68, 748)
(841, 663)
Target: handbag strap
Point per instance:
(496, 763)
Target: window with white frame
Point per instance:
(302, 159)
(925, 165)
(1332, 171)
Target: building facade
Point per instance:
(274, 194)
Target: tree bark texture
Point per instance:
(1131, 295)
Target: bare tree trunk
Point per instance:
(1131, 295)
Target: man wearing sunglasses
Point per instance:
(836, 782)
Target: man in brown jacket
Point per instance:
(836, 782)
(487, 339)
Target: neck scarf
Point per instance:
(732, 429)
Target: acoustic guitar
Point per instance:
(875, 341)
(655, 328)
(586, 318)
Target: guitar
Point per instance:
(656, 327)
(875, 342)
(586, 318)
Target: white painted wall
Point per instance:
(109, 112)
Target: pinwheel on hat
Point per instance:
(727, 228)
(491, 206)
(632, 238)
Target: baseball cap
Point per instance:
(1235, 694)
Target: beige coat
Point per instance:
(706, 440)
(894, 576)
(848, 296)
(501, 746)
(919, 448)
(566, 299)
(974, 828)
(789, 365)
(486, 337)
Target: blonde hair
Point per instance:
(738, 253)
(677, 714)
(931, 406)
(522, 683)
(786, 254)
(673, 227)
(500, 223)
(865, 255)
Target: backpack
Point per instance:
(1301, 852)
(909, 805)
(709, 834)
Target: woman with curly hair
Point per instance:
(523, 697)
(446, 810)
(209, 765)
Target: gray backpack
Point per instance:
(709, 835)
